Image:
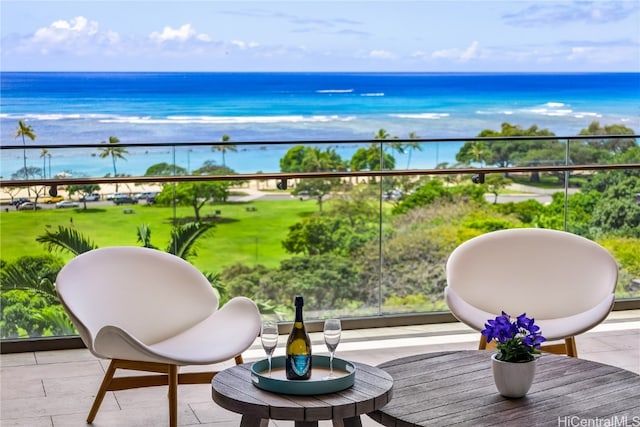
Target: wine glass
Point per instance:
(269, 338)
(332, 331)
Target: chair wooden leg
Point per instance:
(570, 343)
(104, 387)
(165, 375)
(173, 395)
(239, 360)
(482, 345)
(567, 347)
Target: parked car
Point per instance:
(17, 202)
(146, 195)
(93, 197)
(55, 199)
(114, 195)
(28, 206)
(67, 204)
(122, 199)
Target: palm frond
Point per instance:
(144, 236)
(218, 286)
(184, 237)
(68, 239)
(57, 321)
(26, 278)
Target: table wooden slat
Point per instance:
(233, 389)
(449, 388)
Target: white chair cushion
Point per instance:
(215, 339)
(552, 329)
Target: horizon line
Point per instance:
(321, 72)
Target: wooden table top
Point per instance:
(438, 389)
(233, 390)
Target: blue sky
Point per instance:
(427, 35)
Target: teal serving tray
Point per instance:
(344, 374)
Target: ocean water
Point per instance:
(86, 108)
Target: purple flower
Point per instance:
(518, 340)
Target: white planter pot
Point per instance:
(513, 380)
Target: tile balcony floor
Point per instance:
(56, 388)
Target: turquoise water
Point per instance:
(85, 108)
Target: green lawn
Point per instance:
(240, 235)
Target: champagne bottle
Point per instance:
(298, 361)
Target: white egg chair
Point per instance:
(148, 310)
(565, 281)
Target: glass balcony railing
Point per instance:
(361, 228)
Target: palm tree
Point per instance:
(144, 236)
(27, 277)
(397, 146)
(479, 152)
(115, 152)
(183, 239)
(224, 148)
(411, 145)
(43, 156)
(381, 134)
(25, 130)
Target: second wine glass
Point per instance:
(269, 338)
(332, 333)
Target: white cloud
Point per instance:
(182, 34)
(471, 52)
(244, 45)
(548, 14)
(580, 53)
(462, 55)
(381, 54)
(62, 30)
(77, 35)
(602, 55)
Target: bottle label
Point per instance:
(300, 364)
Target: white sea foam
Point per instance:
(583, 115)
(555, 104)
(57, 116)
(334, 91)
(372, 94)
(551, 112)
(228, 120)
(431, 116)
(493, 113)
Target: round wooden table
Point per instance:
(442, 389)
(232, 389)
